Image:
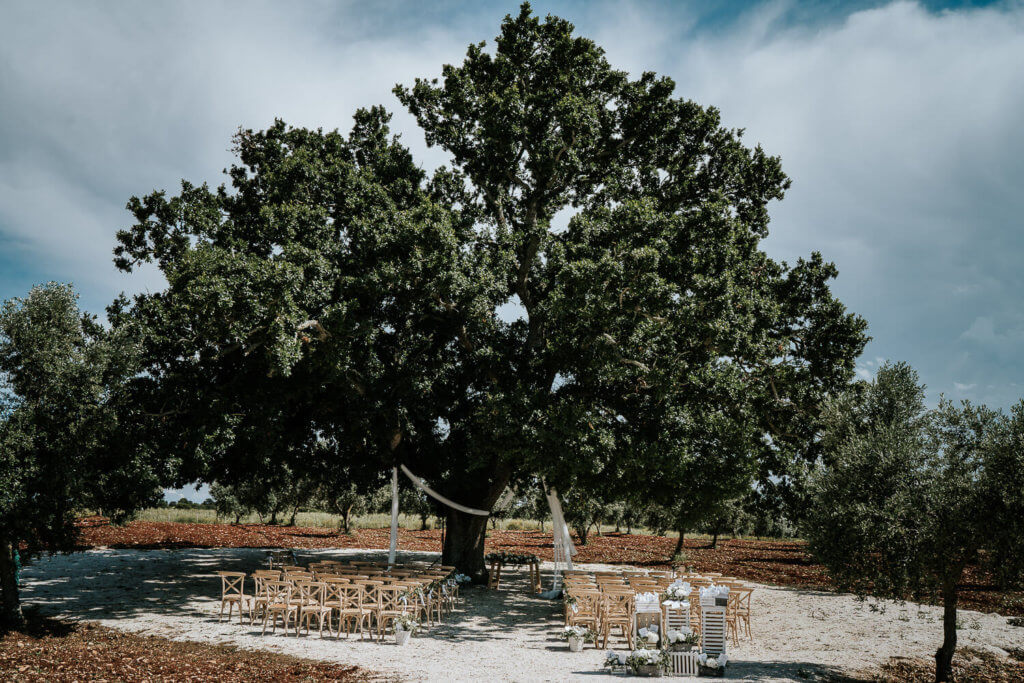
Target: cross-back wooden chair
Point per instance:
(232, 592)
(282, 602)
(586, 610)
(313, 605)
(617, 608)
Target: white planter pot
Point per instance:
(575, 644)
(402, 636)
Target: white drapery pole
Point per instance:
(393, 546)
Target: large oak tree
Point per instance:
(580, 296)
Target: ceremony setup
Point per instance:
(481, 341)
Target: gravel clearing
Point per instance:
(503, 635)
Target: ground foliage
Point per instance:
(969, 664)
(53, 650)
(784, 563)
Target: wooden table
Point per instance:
(498, 563)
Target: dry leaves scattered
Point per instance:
(53, 650)
(783, 563)
(969, 664)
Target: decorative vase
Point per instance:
(402, 636)
(575, 644)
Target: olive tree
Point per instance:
(906, 498)
(63, 420)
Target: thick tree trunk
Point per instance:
(465, 534)
(679, 543)
(581, 532)
(944, 655)
(291, 520)
(273, 517)
(238, 518)
(423, 522)
(714, 539)
(464, 544)
(345, 517)
(10, 611)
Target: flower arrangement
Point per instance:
(712, 666)
(412, 595)
(582, 632)
(647, 637)
(407, 622)
(615, 661)
(648, 661)
(677, 592)
(511, 559)
(462, 578)
(681, 640)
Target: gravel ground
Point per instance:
(503, 635)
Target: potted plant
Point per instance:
(647, 637)
(576, 636)
(615, 661)
(405, 625)
(712, 665)
(681, 641)
(649, 663)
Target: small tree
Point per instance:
(61, 376)
(907, 498)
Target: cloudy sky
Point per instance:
(900, 125)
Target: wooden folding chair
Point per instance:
(313, 604)
(617, 609)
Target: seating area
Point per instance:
(340, 597)
(623, 602)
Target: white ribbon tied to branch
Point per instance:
(393, 544)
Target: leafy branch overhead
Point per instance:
(457, 322)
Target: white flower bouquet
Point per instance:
(463, 578)
(681, 640)
(582, 632)
(712, 666)
(647, 637)
(648, 662)
(614, 660)
(407, 622)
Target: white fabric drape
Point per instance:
(564, 549)
(393, 544)
(434, 494)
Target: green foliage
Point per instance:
(65, 426)
(906, 497)
(332, 292)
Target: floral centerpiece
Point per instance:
(615, 661)
(677, 592)
(405, 625)
(647, 637)
(462, 578)
(511, 559)
(577, 636)
(712, 666)
(648, 662)
(681, 641)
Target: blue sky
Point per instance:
(899, 124)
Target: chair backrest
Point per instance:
(312, 592)
(618, 605)
(587, 603)
(232, 583)
(278, 591)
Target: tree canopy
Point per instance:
(64, 441)
(907, 497)
(580, 297)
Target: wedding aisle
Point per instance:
(503, 634)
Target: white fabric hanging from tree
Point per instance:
(564, 549)
(393, 544)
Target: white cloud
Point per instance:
(964, 387)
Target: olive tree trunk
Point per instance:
(944, 655)
(679, 543)
(10, 611)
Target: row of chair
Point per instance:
(354, 597)
(603, 600)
